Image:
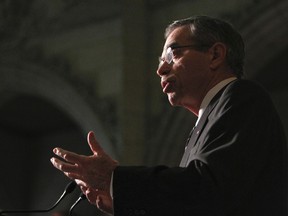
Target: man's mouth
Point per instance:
(168, 86)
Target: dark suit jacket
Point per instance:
(234, 164)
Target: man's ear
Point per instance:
(218, 55)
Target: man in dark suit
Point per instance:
(235, 159)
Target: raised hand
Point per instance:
(90, 172)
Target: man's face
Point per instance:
(185, 80)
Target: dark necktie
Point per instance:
(188, 148)
(196, 131)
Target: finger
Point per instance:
(93, 143)
(83, 189)
(81, 183)
(72, 175)
(91, 195)
(63, 166)
(67, 155)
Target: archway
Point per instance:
(30, 128)
(38, 111)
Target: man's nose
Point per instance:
(163, 69)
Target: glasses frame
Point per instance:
(169, 56)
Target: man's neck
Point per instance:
(211, 93)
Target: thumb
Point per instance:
(93, 144)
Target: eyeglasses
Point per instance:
(169, 56)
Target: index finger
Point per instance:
(70, 157)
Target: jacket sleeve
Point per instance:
(238, 162)
(158, 190)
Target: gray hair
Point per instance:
(206, 31)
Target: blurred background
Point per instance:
(68, 67)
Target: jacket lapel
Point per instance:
(197, 130)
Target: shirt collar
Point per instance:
(211, 93)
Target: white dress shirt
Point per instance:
(211, 93)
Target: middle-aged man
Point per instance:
(234, 163)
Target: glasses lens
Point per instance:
(169, 55)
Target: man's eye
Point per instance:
(176, 52)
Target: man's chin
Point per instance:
(173, 100)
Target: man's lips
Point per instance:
(168, 85)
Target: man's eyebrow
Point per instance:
(172, 44)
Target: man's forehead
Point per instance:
(178, 36)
